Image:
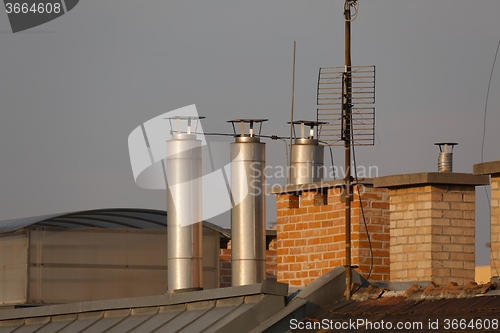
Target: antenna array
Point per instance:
(331, 97)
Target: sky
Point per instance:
(73, 89)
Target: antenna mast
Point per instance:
(347, 120)
(345, 99)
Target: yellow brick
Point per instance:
(424, 264)
(441, 239)
(453, 248)
(409, 231)
(436, 247)
(395, 250)
(424, 197)
(452, 214)
(469, 197)
(444, 272)
(495, 183)
(462, 239)
(441, 256)
(402, 240)
(396, 215)
(424, 205)
(453, 231)
(469, 265)
(441, 205)
(410, 214)
(452, 197)
(466, 273)
(453, 264)
(410, 198)
(469, 248)
(463, 256)
(462, 223)
(427, 247)
(401, 224)
(463, 206)
(441, 222)
(469, 232)
(467, 214)
(396, 199)
(399, 191)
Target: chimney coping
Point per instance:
(430, 178)
(279, 189)
(486, 168)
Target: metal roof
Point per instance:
(218, 310)
(135, 218)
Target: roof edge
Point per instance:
(265, 288)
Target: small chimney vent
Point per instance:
(306, 160)
(445, 161)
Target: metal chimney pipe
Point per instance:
(307, 155)
(248, 222)
(445, 160)
(184, 219)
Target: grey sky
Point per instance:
(73, 89)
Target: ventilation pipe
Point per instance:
(445, 161)
(307, 155)
(184, 226)
(248, 223)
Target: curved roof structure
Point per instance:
(134, 218)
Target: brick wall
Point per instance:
(433, 233)
(225, 264)
(225, 267)
(311, 234)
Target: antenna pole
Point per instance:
(291, 114)
(346, 101)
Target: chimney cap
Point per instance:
(186, 117)
(251, 133)
(308, 122)
(311, 124)
(247, 120)
(446, 143)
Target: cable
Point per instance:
(486, 104)
(362, 213)
(482, 143)
(333, 164)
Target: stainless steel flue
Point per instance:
(307, 161)
(445, 161)
(184, 226)
(248, 223)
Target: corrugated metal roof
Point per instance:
(204, 311)
(135, 218)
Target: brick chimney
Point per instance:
(311, 230)
(432, 226)
(493, 169)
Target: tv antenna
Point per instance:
(345, 99)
